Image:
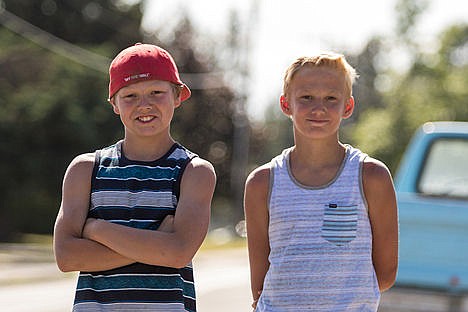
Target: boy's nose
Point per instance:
(318, 105)
(144, 102)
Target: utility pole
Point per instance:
(241, 49)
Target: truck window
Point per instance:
(445, 171)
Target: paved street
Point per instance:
(222, 282)
(221, 277)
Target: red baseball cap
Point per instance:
(144, 62)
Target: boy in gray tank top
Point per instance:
(321, 217)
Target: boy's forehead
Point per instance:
(319, 69)
(318, 75)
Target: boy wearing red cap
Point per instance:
(321, 217)
(134, 214)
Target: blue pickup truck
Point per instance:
(432, 193)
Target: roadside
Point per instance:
(221, 273)
(28, 263)
(22, 263)
(29, 277)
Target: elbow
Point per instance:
(178, 257)
(64, 259)
(387, 279)
(64, 268)
(64, 265)
(386, 284)
(180, 260)
(181, 263)
(182, 251)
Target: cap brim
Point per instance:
(185, 93)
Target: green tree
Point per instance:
(88, 22)
(53, 107)
(204, 123)
(46, 119)
(434, 88)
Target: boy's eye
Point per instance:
(331, 98)
(156, 92)
(129, 96)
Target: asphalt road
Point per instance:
(222, 284)
(221, 279)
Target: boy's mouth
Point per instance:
(318, 121)
(146, 118)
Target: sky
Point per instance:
(282, 30)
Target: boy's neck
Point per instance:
(320, 153)
(146, 149)
(316, 165)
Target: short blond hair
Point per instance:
(326, 59)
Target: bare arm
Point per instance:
(190, 224)
(257, 218)
(380, 196)
(72, 251)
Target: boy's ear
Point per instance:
(178, 101)
(114, 107)
(349, 108)
(284, 105)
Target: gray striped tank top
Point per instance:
(321, 242)
(140, 195)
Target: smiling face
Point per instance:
(146, 108)
(317, 100)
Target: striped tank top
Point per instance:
(321, 242)
(140, 195)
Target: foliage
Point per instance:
(89, 22)
(53, 109)
(204, 123)
(434, 88)
(46, 119)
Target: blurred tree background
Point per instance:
(54, 56)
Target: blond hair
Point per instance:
(329, 59)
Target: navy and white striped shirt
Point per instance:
(140, 195)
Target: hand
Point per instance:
(167, 225)
(254, 304)
(88, 228)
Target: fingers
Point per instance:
(167, 225)
(87, 228)
(254, 304)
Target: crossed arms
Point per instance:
(86, 244)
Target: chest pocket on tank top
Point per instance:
(339, 223)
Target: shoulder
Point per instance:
(199, 168)
(198, 182)
(79, 172)
(374, 170)
(257, 189)
(83, 162)
(376, 179)
(259, 179)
